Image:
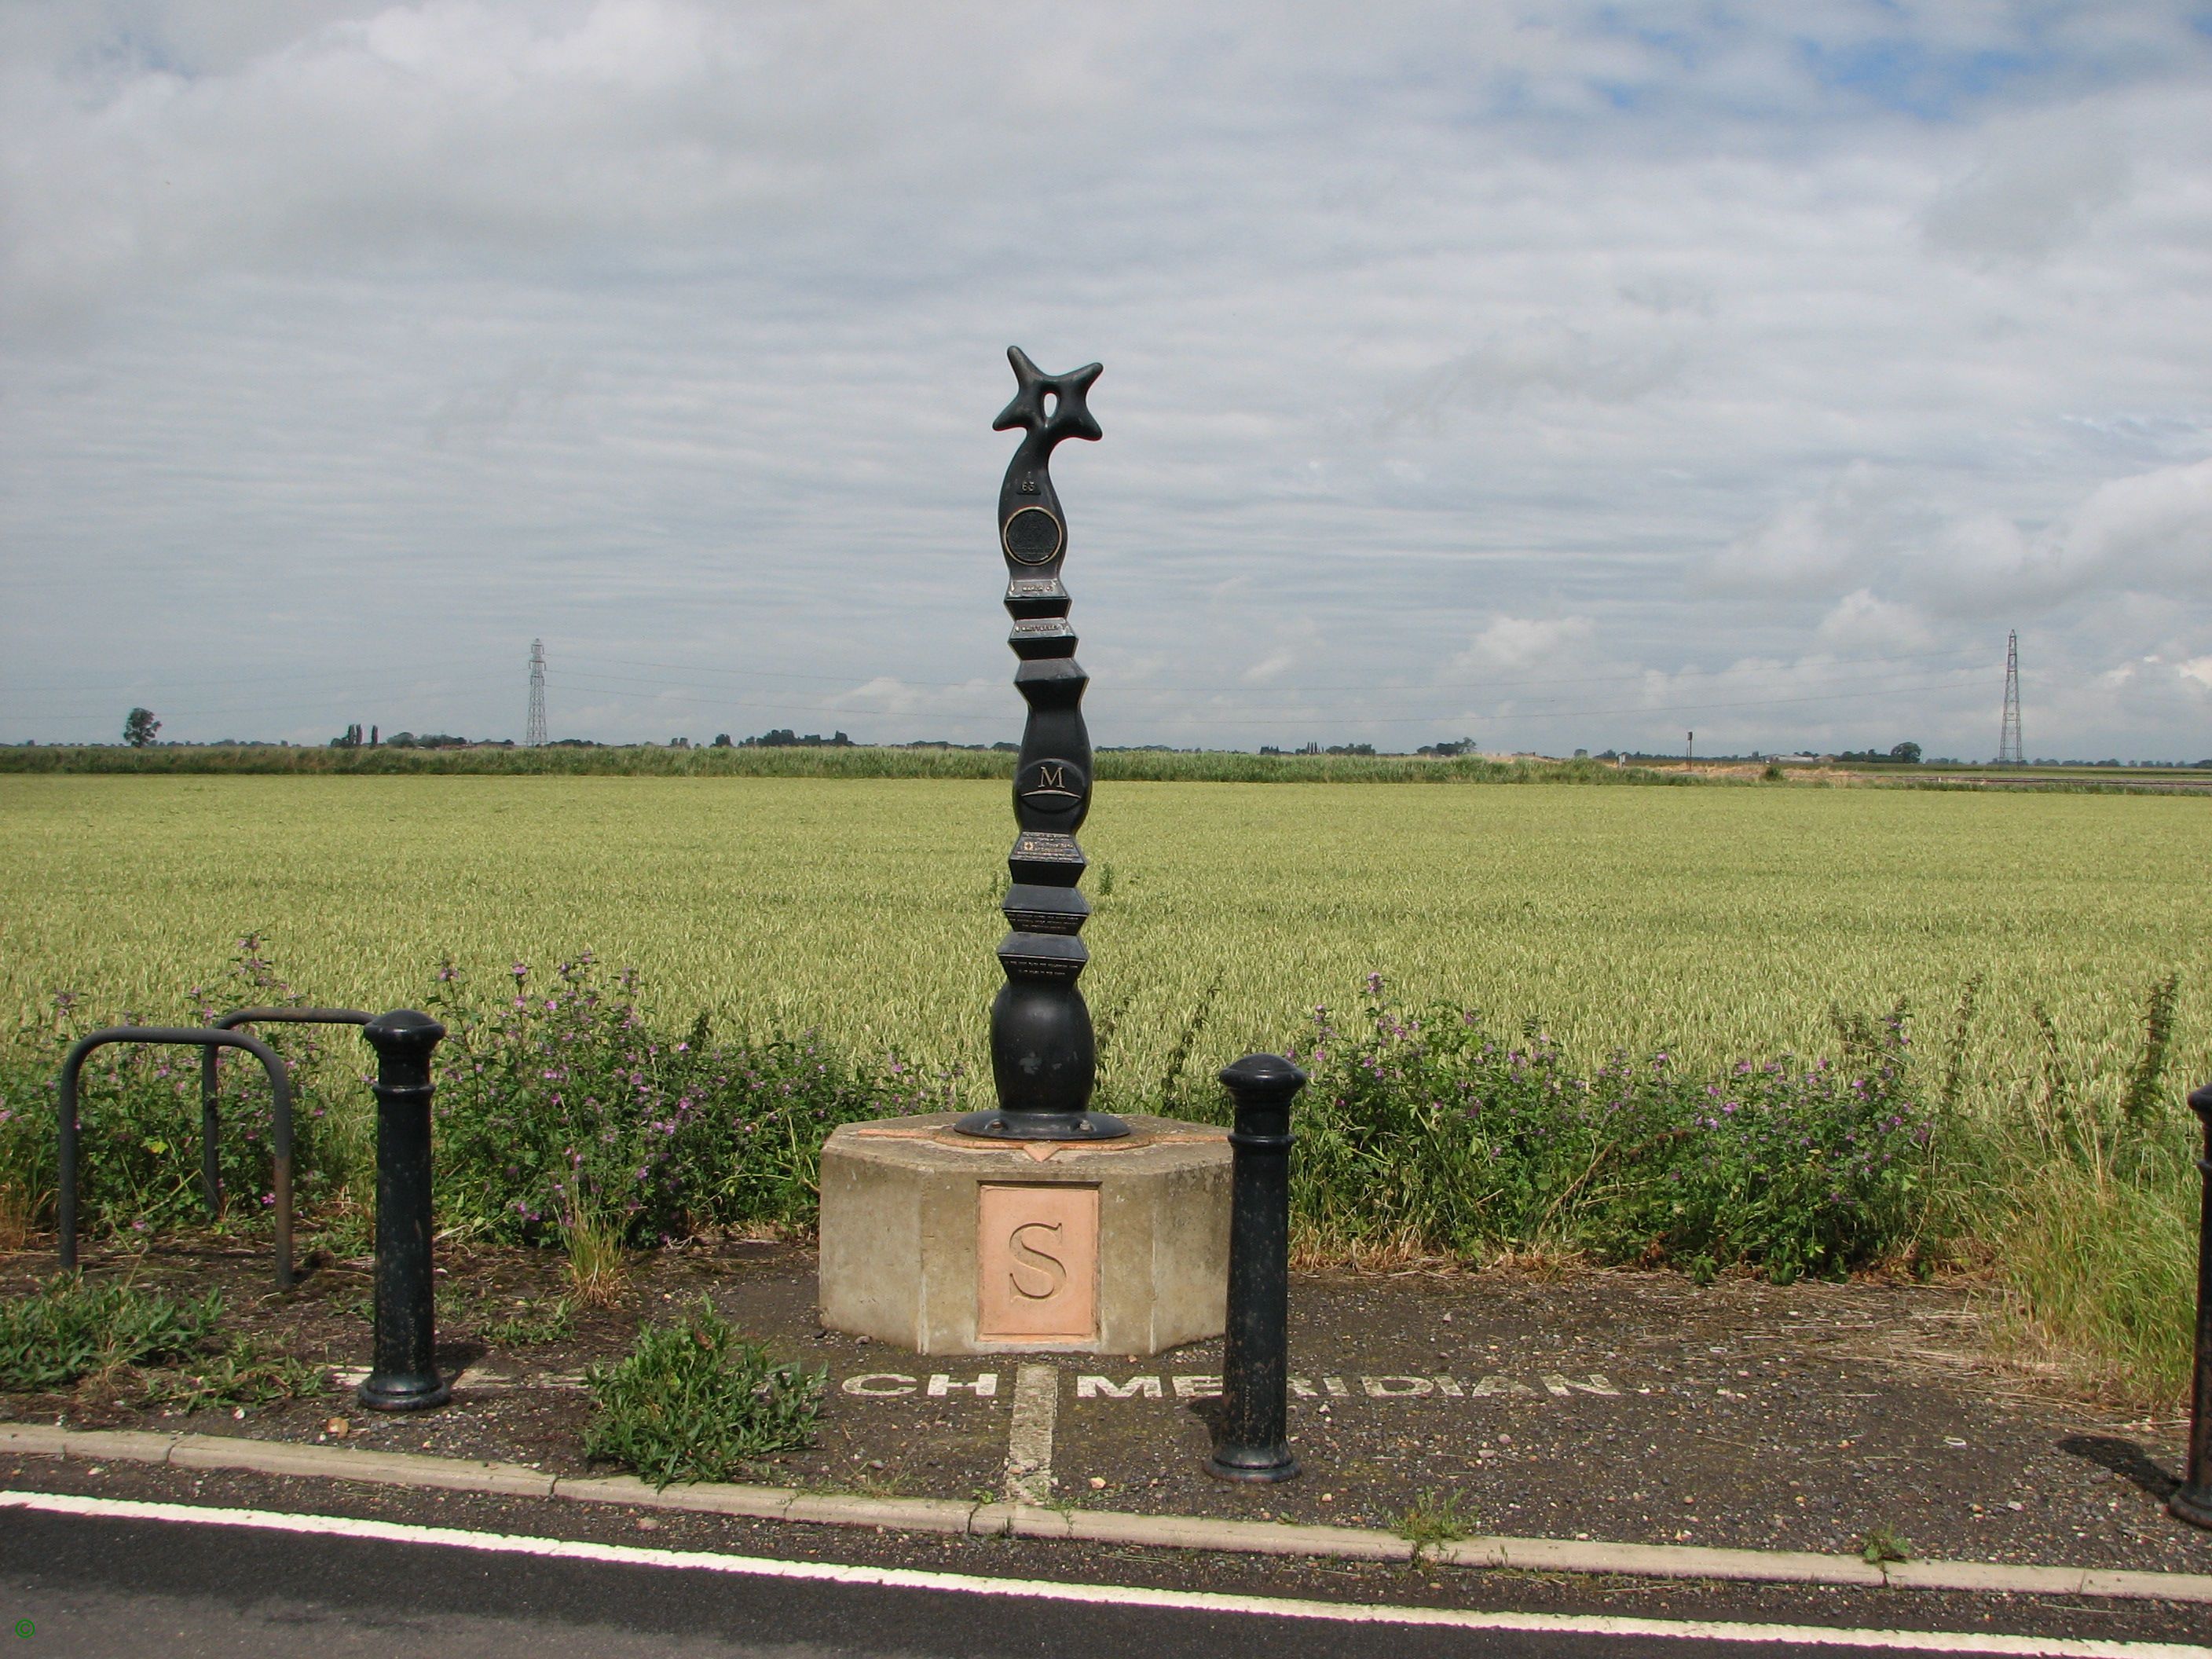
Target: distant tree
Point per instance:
(139, 727)
(782, 736)
(1907, 752)
(721, 740)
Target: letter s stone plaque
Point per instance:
(1037, 1263)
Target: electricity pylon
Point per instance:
(534, 736)
(2008, 750)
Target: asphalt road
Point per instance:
(99, 1584)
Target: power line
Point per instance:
(1240, 685)
(374, 680)
(819, 710)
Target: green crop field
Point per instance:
(1716, 923)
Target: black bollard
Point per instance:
(404, 1376)
(2193, 1501)
(1253, 1442)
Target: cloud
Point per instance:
(1548, 359)
(1861, 622)
(1809, 544)
(2148, 532)
(1509, 644)
(892, 698)
(2040, 186)
(1297, 641)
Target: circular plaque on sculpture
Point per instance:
(1032, 536)
(1052, 786)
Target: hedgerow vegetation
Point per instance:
(564, 1114)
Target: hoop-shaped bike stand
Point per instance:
(280, 1090)
(210, 1114)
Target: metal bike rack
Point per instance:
(210, 1116)
(206, 1038)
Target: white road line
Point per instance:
(1029, 1441)
(331, 1526)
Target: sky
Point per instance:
(1554, 375)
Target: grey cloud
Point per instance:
(2039, 187)
(1548, 358)
(1666, 295)
(1854, 525)
(479, 411)
(2147, 533)
(1862, 621)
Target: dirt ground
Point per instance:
(1635, 1408)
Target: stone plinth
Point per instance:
(944, 1243)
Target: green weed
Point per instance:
(68, 1329)
(694, 1400)
(1436, 1518)
(532, 1323)
(599, 1267)
(245, 1373)
(2103, 1272)
(1881, 1543)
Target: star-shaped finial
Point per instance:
(1070, 416)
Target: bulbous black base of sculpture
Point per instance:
(2192, 1504)
(999, 1124)
(1255, 1464)
(419, 1392)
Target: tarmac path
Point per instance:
(84, 1576)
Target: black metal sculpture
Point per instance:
(1043, 1058)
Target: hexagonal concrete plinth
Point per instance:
(946, 1244)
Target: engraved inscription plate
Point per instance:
(1043, 847)
(1037, 1263)
(1036, 587)
(1033, 910)
(1032, 536)
(1037, 965)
